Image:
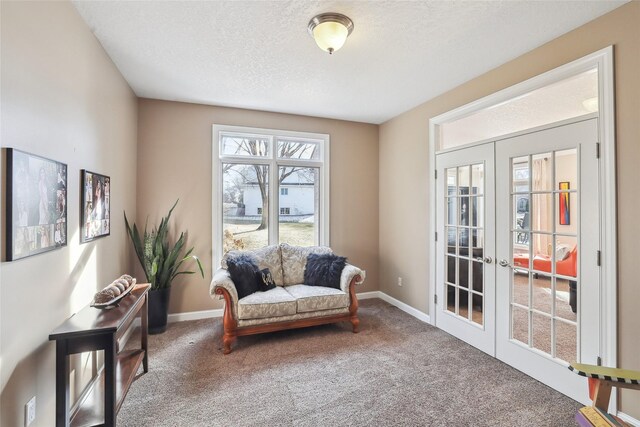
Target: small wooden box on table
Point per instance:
(94, 329)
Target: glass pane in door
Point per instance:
(465, 215)
(545, 282)
(565, 340)
(477, 309)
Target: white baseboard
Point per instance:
(195, 315)
(405, 307)
(208, 314)
(629, 419)
(172, 318)
(368, 295)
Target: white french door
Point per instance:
(518, 223)
(548, 241)
(466, 236)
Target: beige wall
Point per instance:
(404, 180)
(62, 98)
(174, 161)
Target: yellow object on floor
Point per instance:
(601, 380)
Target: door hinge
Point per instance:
(436, 171)
(599, 361)
(436, 236)
(597, 150)
(599, 257)
(435, 299)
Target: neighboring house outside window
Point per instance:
(250, 170)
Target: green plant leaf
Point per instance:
(160, 261)
(199, 265)
(138, 245)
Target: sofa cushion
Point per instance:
(243, 270)
(267, 257)
(324, 270)
(316, 298)
(272, 303)
(294, 261)
(297, 316)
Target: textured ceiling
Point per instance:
(259, 55)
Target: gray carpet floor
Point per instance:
(397, 371)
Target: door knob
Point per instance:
(487, 260)
(504, 263)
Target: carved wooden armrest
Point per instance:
(352, 276)
(223, 287)
(349, 273)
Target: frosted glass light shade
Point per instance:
(330, 36)
(330, 30)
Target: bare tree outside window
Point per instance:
(246, 192)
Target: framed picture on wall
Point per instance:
(36, 204)
(564, 205)
(95, 213)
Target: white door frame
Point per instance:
(603, 60)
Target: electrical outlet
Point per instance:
(399, 281)
(30, 412)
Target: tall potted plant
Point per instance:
(161, 263)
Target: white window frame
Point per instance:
(322, 163)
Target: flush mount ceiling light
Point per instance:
(330, 30)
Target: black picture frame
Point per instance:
(95, 206)
(36, 204)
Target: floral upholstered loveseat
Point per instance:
(291, 304)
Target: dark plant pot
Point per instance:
(158, 309)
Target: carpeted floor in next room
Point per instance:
(397, 371)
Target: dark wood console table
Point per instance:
(98, 329)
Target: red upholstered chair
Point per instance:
(566, 267)
(542, 263)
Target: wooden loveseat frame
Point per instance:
(232, 331)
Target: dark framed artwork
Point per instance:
(36, 204)
(564, 203)
(95, 214)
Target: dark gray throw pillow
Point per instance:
(264, 280)
(324, 270)
(243, 270)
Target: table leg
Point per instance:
(110, 381)
(62, 384)
(144, 315)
